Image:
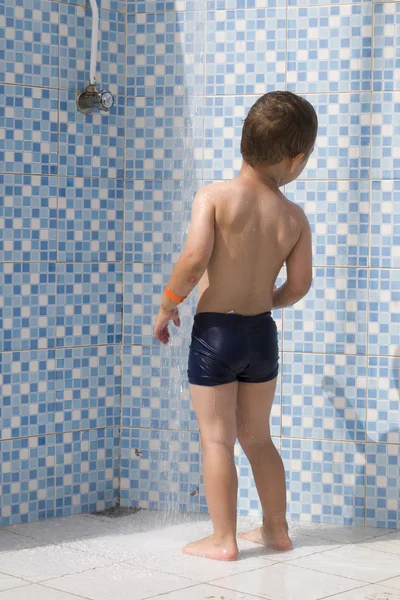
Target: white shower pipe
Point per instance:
(95, 38)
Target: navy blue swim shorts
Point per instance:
(231, 347)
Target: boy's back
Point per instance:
(256, 229)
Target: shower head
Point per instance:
(92, 98)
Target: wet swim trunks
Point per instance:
(231, 347)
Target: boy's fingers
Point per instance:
(177, 321)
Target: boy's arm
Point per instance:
(193, 262)
(299, 270)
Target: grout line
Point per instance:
(205, 95)
(60, 591)
(298, 6)
(369, 261)
(352, 590)
(121, 344)
(186, 180)
(189, 431)
(55, 433)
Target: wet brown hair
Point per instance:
(279, 125)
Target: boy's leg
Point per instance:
(254, 408)
(216, 412)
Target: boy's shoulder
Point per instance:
(215, 189)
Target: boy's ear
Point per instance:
(296, 161)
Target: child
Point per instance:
(242, 233)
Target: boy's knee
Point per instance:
(218, 440)
(254, 444)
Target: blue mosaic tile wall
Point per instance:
(61, 202)
(193, 71)
(94, 211)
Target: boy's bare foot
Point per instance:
(278, 539)
(209, 547)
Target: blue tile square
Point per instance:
(90, 220)
(324, 396)
(144, 285)
(384, 314)
(332, 318)
(29, 42)
(87, 388)
(75, 46)
(160, 469)
(330, 48)
(156, 214)
(386, 46)
(382, 485)
(338, 212)
(248, 502)
(112, 5)
(91, 145)
(86, 471)
(384, 399)
(155, 389)
(29, 122)
(325, 481)
(385, 132)
(27, 479)
(27, 392)
(245, 51)
(165, 53)
(28, 218)
(164, 138)
(324, 2)
(385, 224)
(223, 123)
(343, 145)
(28, 305)
(89, 304)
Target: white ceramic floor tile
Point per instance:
(303, 545)
(36, 592)
(7, 582)
(43, 562)
(195, 568)
(345, 535)
(393, 583)
(205, 592)
(65, 529)
(370, 592)
(118, 547)
(119, 582)
(385, 543)
(11, 541)
(285, 582)
(355, 562)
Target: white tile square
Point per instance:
(355, 562)
(369, 592)
(196, 568)
(119, 581)
(36, 592)
(385, 543)
(204, 592)
(393, 583)
(345, 534)
(7, 582)
(64, 529)
(285, 582)
(38, 563)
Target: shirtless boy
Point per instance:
(242, 233)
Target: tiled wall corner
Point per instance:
(61, 203)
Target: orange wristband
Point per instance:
(174, 297)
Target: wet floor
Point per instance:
(137, 556)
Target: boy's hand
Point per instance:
(161, 331)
